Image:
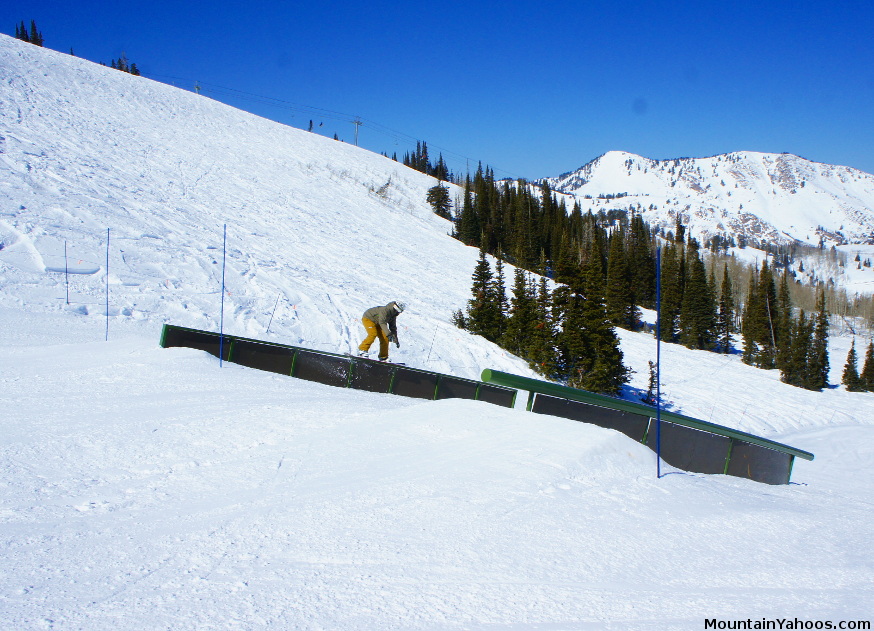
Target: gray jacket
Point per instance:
(385, 318)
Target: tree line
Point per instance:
(604, 270)
(420, 161)
(775, 337)
(122, 64)
(33, 36)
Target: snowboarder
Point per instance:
(379, 322)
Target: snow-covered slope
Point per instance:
(774, 198)
(145, 488)
(318, 230)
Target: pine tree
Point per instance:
(671, 294)
(750, 320)
(758, 328)
(784, 324)
(725, 327)
(592, 359)
(518, 335)
(441, 172)
(698, 311)
(21, 32)
(542, 351)
(819, 364)
(499, 295)
(650, 396)
(850, 377)
(795, 367)
(35, 35)
(467, 227)
(867, 374)
(641, 259)
(621, 310)
(483, 313)
(768, 334)
(438, 198)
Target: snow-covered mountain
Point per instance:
(146, 488)
(771, 198)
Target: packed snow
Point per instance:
(150, 488)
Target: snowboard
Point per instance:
(373, 359)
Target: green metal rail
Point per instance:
(564, 392)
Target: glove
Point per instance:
(394, 338)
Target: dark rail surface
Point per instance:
(335, 369)
(685, 442)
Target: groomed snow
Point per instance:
(148, 488)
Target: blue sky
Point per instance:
(531, 89)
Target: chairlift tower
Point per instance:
(357, 123)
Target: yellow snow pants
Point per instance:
(374, 331)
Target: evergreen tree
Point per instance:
(122, 64)
(758, 328)
(542, 351)
(592, 359)
(850, 377)
(751, 320)
(795, 367)
(783, 321)
(867, 374)
(641, 262)
(499, 293)
(441, 171)
(618, 300)
(725, 327)
(819, 364)
(680, 231)
(21, 32)
(650, 396)
(671, 299)
(698, 311)
(483, 311)
(568, 265)
(438, 198)
(768, 333)
(35, 35)
(467, 227)
(519, 333)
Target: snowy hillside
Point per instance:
(147, 488)
(776, 198)
(317, 230)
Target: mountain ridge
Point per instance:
(778, 198)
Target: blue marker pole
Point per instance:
(222, 316)
(107, 284)
(66, 273)
(658, 362)
(274, 312)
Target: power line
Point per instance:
(202, 87)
